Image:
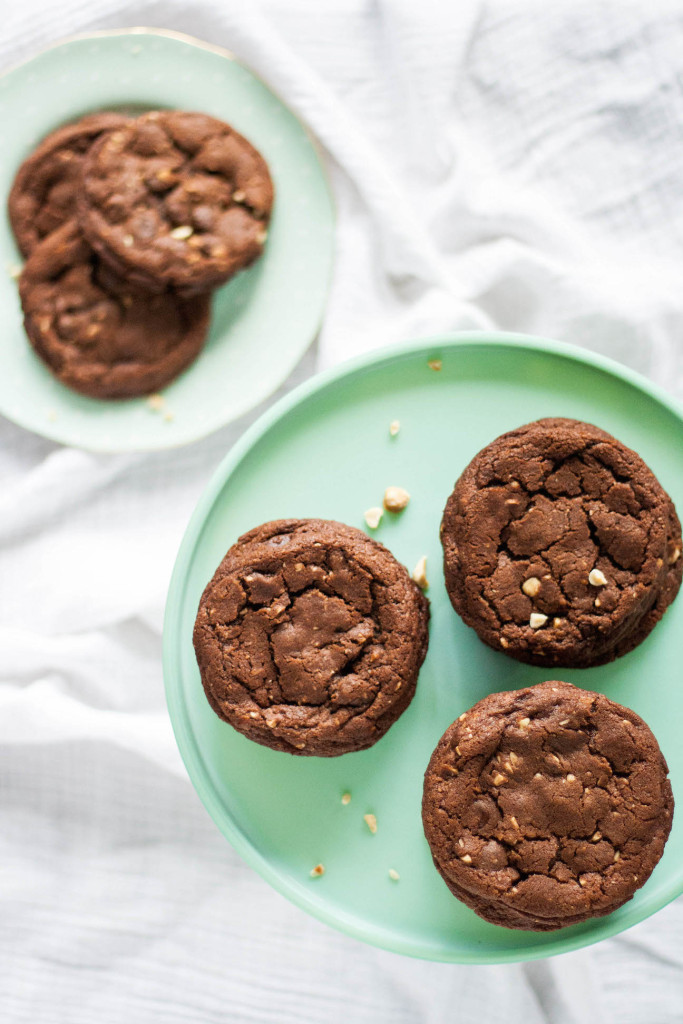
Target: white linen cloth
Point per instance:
(512, 166)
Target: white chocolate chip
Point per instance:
(14, 271)
(466, 859)
(373, 516)
(531, 586)
(261, 237)
(182, 232)
(128, 241)
(524, 723)
(675, 555)
(317, 871)
(346, 799)
(557, 622)
(462, 717)
(596, 578)
(570, 777)
(513, 821)
(395, 499)
(498, 779)
(239, 196)
(394, 427)
(394, 875)
(537, 619)
(371, 821)
(419, 573)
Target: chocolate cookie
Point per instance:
(560, 545)
(309, 637)
(97, 335)
(43, 195)
(546, 806)
(176, 199)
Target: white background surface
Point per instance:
(513, 166)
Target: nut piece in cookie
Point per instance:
(176, 199)
(97, 335)
(546, 806)
(558, 544)
(43, 196)
(310, 636)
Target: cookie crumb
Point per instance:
(394, 427)
(346, 799)
(419, 574)
(434, 364)
(373, 516)
(317, 871)
(371, 821)
(155, 402)
(395, 499)
(14, 271)
(537, 619)
(394, 875)
(596, 578)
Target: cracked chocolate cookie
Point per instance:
(310, 637)
(177, 199)
(97, 335)
(560, 545)
(546, 806)
(44, 192)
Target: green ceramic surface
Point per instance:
(325, 450)
(263, 320)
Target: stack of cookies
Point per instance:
(127, 225)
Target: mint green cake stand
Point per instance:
(325, 450)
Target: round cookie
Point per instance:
(97, 335)
(177, 199)
(310, 637)
(43, 196)
(546, 806)
(560, 545)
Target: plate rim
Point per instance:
(189, 750)
(48, 430)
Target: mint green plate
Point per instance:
(263, 320)
(325, 450)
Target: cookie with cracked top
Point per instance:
(43, 196)
(176, 199)
(96, 334)
(560, 545)
(310, 637)
(546, 806)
